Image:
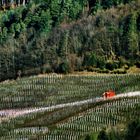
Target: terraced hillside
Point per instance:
(66, 107)
(57, 89)
(71, 123)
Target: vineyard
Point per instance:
(52, 89)
(66, 122)
(69, 69)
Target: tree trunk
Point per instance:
(3, 3)
(11, 2)
(18, 3)
(23, 3)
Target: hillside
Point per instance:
(58, 89)
(66, 36)
(69, 69)
(57, 107)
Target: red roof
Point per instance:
(108, 94)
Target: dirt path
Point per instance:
(4, 114)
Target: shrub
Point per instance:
(137, 64)
(133, 130)
(119, 71)
(100, 63)
(122, 62)
(104, 71)
(32, 71)
(64, 67)
(110, 65)
(102, 135)
(46, 69)
(88, 137)
(90, 59)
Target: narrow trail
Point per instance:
(11, 113)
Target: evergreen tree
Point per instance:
(132, 36)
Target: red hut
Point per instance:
(108, 94)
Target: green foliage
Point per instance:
(88, 137)
(101, 62)
(130, 40)
(102, 135)
(133, 130)
(109, 3)
(97, 7)
(130, 132)
(41, 34)
(115, 135)
(90, 60)
(137, 64)
(64, 67)
(93, 60)
(110, 65)
(133, 36)
(138, 22)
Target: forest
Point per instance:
(64, 36)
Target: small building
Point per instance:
(108, 94)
